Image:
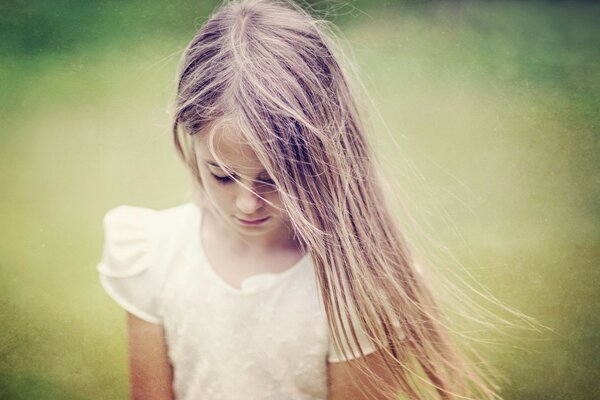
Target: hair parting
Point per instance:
(268, 68)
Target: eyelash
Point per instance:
(223, 180)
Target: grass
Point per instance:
(494, 103)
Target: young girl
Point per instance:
(286, 277)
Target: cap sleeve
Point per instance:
(366, 344)
(128, 270)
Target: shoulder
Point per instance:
(129, 237)
(145, 228)
(132, 222)
(137, 244)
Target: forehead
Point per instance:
(227, 146)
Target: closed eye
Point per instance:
(222, 179)
(228, 179)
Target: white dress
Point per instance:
(267, 340)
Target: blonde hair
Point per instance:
(268, 67)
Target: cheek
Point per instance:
(216, 191)
(275, 198)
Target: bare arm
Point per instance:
(150, 371)
(357, 386)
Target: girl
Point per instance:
(286, 277)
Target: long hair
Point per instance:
(268, 67)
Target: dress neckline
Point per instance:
(249, 285)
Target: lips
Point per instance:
(254, 221)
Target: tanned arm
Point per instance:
(150, 371)
(346, 381)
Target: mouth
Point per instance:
(253, 222)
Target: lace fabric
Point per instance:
(267, 340)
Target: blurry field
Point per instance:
(495, 104)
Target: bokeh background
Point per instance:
(493, 103)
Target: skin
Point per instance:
(240, 188)
(348, 381)
(151, 373)
(269, 247)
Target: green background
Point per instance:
(493, 107)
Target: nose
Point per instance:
(248, 202)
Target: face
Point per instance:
(240, 192)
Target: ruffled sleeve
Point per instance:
(366, 344)
(128, 269)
